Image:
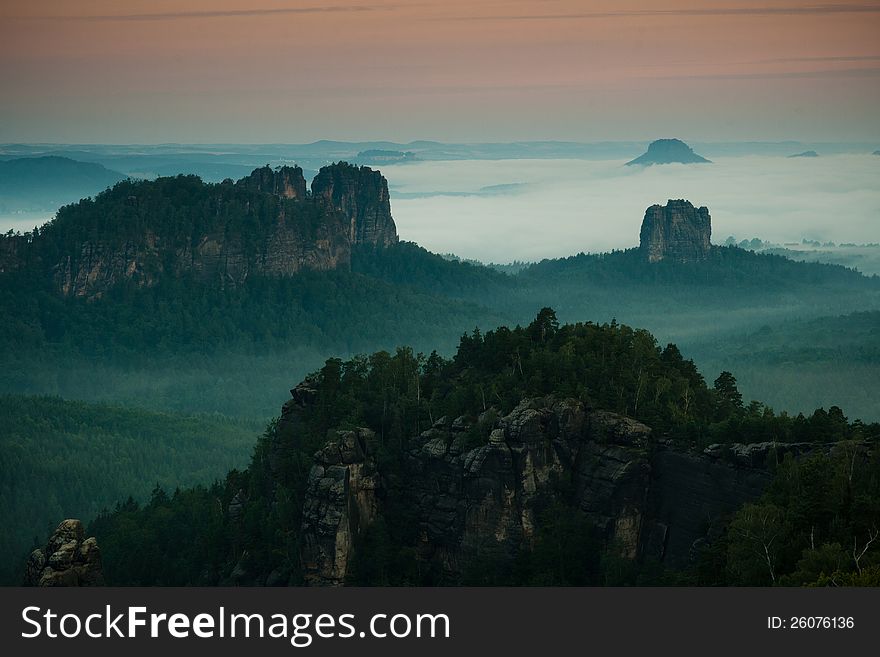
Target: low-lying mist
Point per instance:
(507, 210)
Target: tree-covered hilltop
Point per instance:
(726, 266)
(62, 459)
(252, 528)
(729, 292)
(175, 210)
(410, 265)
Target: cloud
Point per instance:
(779, 75)
(560, 207)
(830, 58)
(225, 13)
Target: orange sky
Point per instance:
(282, 71)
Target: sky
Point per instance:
(277, 71)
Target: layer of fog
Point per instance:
(508, 210)
(22, 222)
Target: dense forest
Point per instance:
(64, 459)
(799, 365)
(816, 520)
(155, 345)
(182, 346)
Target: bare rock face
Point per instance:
(494, 493)
(646, 498)
(67, 560)
(361, 194)
(340, 500)
(287, 182)
(676, 231)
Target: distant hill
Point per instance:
(805, 154)
(46, 183)
(668, 151)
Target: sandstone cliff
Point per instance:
(361, 194)
(267, 223)
(647, 498)
(287, 182)
(68, 559)
(676, 231)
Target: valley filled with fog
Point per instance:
(505, 210)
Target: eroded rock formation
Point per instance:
(340, 500)
(68, 559)
(646, 498)
(361, 194)
(676, 231)
(287, 182)
(267, 223)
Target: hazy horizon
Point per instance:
(196, 71)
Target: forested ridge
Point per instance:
(818, 507)
(173, 209)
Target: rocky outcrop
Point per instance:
(676, 231)
(495, 492)
(361, 194)
(68, 559)
(668, 151)
(647, 498)
(287, 182)
(340, 499)
(266, 224)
